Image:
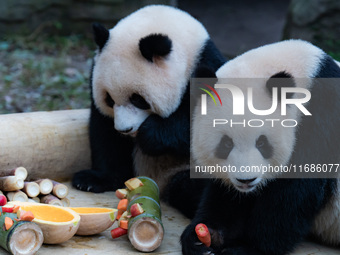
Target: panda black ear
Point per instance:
(280, 80)
(155, 45)
(101, 35)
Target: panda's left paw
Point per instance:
(149, 137)
(191, 245)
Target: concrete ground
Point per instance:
(102, 244)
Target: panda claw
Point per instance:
(89, 188)
(198, 243)
(208, 253)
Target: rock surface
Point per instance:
(317, 21)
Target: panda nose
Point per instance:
(125, 131)
(246, 181)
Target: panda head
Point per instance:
(245, 147)
(144, 63)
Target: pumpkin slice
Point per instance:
(58, 224)
(94, 220)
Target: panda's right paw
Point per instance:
(191, 245)
(93, 181)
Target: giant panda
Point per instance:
(140, 123)
(252, 212)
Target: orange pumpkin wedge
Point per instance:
(94, 220)
(58, 224)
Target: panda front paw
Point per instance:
(191, 245)
(94, 181)
(149, 137)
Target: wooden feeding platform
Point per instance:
(55, 145)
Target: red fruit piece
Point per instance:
(136, 209)
(117, 232)
(133, 183)
(7, 209)
(121, 193)
(3, 200)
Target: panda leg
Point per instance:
(184, 193)
(111, 155)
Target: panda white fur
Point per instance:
(140, 123)
(257, 212)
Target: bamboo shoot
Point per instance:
(59, 190)
(32, 189)
(22, 238)
(19, 172)
(11, 183)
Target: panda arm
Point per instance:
(159, 135)
(111, 155)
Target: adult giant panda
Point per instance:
(257, 212)
(140, 123)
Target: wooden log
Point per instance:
(51, 200)
(45, 186)
(23, 237)
(51, 145)
(146, 230)
(11, 183)
(32, 189)
(17, 196)
(59, 190)
(19, 172)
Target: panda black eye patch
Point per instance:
(139, 102)
(224, 147)
(263, 145)
(109, 101)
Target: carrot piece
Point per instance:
(8, 223)
(117, 232)
(119, 214)
(16, 208)
(124, 224)
(123, 204)
(27, 216)
(203, 234)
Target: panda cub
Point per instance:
(255, 213)
(140, 123)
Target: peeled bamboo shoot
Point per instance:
(11, 183)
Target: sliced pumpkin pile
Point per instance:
(58, 224)
(94, 220)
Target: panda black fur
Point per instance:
(140, 123)
(255, 213)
